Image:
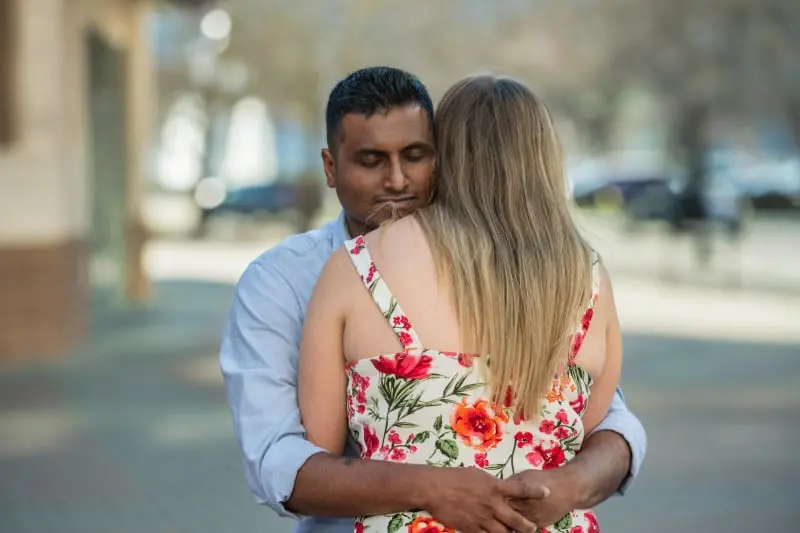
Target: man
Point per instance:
(380, 159)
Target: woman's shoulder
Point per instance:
(393, 234)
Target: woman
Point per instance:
(493, 266)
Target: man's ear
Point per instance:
(329, 166)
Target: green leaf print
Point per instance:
(437, 424)
(564, 524)
(419, 438)
(448, 447)
(389, 312)
(395, 523)
(406, 425)
(401, 394)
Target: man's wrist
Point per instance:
(425, 486)
(578, 484)
(600, 468)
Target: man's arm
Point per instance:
(629, 448)
(259, 359)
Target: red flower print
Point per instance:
(404, 366)
(360, 409)
(546, 458)
(561, 433)
(401, 321)
(547, 426)
(480, 425)
(481, 460)
(577, 342)
(509, 397)
(371, 441)
(587, 319)
(359, 527)
(523, 439)
(553, 457)
(576, 529)
(371, 273)
(398, 454)
(578, 404)
(361, 397)
(359, 245)
(426, 524)
(464, 359)
(562, 417)
(412, 449)
(406, 339)
(594, 527)
(535, 458)
(394, 438)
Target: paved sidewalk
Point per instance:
(766, 258)
(131, 434)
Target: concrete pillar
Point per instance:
(140, 110)
(43, 188)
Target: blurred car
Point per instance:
(300, 200)
(773, 185)
(617, 179)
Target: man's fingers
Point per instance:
(513, 520)
(518, 489)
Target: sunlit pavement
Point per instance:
(132, 433)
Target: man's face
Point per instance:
(381, 166)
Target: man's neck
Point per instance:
(353, 229)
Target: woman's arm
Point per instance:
(322, 394)
(605, 386)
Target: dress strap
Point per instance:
(588, 314)
(382, 296)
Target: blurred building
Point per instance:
(75, 103)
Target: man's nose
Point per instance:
(396, 181)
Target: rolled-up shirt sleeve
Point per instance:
(621, 420)
(258, 359)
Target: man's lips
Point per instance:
(398, 200)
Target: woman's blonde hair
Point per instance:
(502, 234)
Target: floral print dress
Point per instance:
(429, 407)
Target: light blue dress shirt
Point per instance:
(259, 358)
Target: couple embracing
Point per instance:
(445, 356)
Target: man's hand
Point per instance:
(564, 496)
(470, 500)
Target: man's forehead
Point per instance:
(395, 127)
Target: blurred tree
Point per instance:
(704, 58)
(297, 51)
(553, 46)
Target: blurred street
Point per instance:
(132, 434)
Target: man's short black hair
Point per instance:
(374, 90)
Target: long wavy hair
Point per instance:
(502, 234)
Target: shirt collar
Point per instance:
(340, 233)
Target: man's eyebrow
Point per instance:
(369, 151)
(418, 144)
